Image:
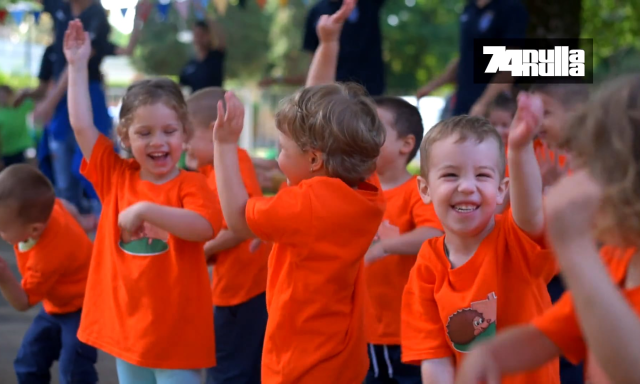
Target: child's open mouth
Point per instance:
(158, 156)
(465, 208)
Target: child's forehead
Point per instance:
(457, 152)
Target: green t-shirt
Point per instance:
(14, 130)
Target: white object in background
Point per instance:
(430, 109)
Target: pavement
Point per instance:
(14, 324)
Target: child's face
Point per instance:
(554, 120)
(501, 120)
(395, 149)
(156, 136)
(294, 163)
(464, 184)
(200, 146)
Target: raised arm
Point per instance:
(525, 179)
(325, 59)
(231, 190)
(77, 50)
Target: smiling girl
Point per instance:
(144, 287)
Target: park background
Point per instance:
(264, 38)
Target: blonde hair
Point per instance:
(604, 138)
(202, 106)
(340, 121)
(464, 128)
(149, 92)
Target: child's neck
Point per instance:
(394, 176)
(461, 248)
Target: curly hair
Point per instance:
(604, 137)
(149, 92)
(338, 120)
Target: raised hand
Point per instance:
(77, 44)
(527, 121)
(228, 126)
(571, 207)
(329, 27)
(550, 167)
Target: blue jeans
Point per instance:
(66, 155)
(133, 374)
(51, 338)
(239, 331)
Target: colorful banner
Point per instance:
(183, 8)
(123, 11)
(36, 17)
(163, 10)
(18, 16)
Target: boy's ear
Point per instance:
(408, 143)
(316, 161)
(35, 230)
(423, 189)
(503, 189)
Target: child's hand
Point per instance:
(77, 44)
(570, 208)
(329, 27)
(131, 219)
(527, 121)
(255, 245)
(375, 253)
(478, 367)
(228, 126)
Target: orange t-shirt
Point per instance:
(321, 230)
(445, 311)
(387, 277)
(55, 269)
(239, 275)
(560, 323)
(148, 302)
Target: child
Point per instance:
(53, 255)
(487, 273)
(148, 300)
(240, 275)
(596, 321)
(14, 132)
(500, 114)
(407, 223)
(321, 227)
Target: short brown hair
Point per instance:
(203, 105)
(406, 119)
(503, 102)
(338, 120)
(28, 191)
(569, 95)
(149, 92)
(604, 137)
(465, 128)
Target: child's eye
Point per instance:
(484, 175)
(143, 133)
(170, 131)
(449, 175)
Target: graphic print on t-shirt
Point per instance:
(152, 241)
(470, 325)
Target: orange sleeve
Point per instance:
(38, 279)
(248, 173)
(193, 199)
(423, 215)
(560, 325)
(280, 218)
(422, 333)
(102, 166)
(540, 262)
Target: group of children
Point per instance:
(367, 273)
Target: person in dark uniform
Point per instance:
(206, 69)
(360, 57)
(481, 19)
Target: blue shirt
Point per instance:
(360, 57)
(499, 19)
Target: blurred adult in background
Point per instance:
(481, 19)
(65, 154)
(360, 57)
(206, 68)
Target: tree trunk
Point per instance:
(554, 18)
